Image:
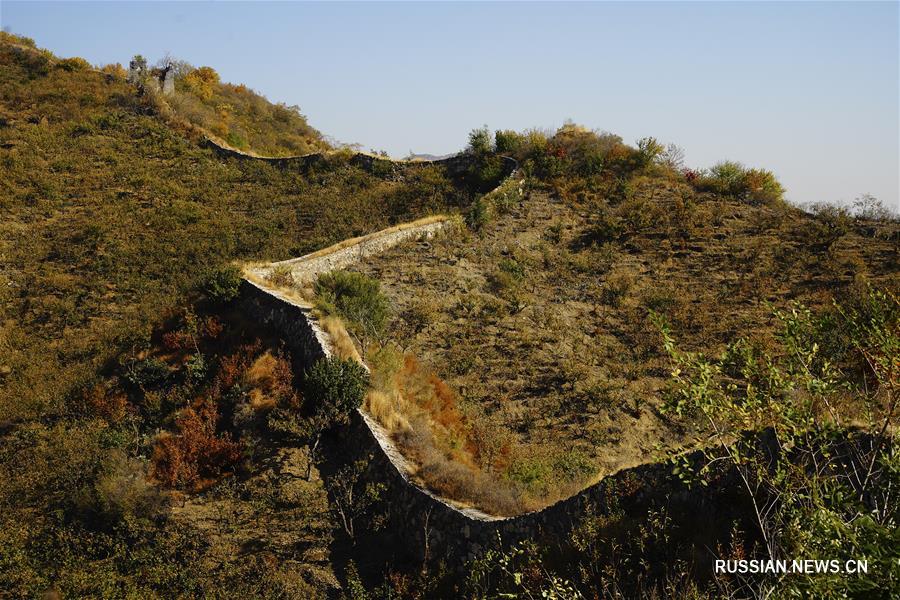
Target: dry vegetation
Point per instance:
(103, 206)
(522, 362)
(112, 219)
(233, 114)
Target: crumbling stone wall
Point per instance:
(306, 269)
(455, 165)
(424, 520)
(160, 80)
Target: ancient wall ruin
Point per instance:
(428, 520)
(455, 165)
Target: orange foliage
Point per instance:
(272, 380)
(233, 366)
(100, 403)
(181, 339)
(436, 398)
(181, 460)
(201, 82)
(212, 327)
(175, 341)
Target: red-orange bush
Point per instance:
(101, 403)
(196, 451)
(233, 366)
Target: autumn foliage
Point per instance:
(195, 452)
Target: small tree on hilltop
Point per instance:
(649, 150)
(480, 142)
(335, 387)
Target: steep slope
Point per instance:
(540, 325)
(113, 217)
(110, 216)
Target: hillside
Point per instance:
(237, 115)
(116, 217)
(104, 206)
(539, 324)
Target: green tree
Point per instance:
(335, 388)
(819, 488)
(222, 285)
(353, 496)
(649, 150)
(480, 142)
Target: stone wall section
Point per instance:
(455, 165)
(461, 531)
(299, 330)
(305, 269)
(429, 521)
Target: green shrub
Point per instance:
(478, 215)
(335, 387)
(649, 150)
(761, 187)
(829, 224)
(480, 143)
(356, 298)
(521, 145)
(756, 186)
(512, 267)
(147, 373)
(509, 142)
(728, 177)
(236, 140)
(505, 198)
(223, 284)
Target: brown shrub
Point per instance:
(196, 451)
(104, 404)
(272, 383)
(176, 341)
(454, 480)
(233, 366)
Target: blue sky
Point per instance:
(809, 90)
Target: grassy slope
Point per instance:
(242, 118)
(547, 340)
(109, 218)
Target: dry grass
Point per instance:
(389, 409)
(544, 342)
(262, 378)
(341, 342)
